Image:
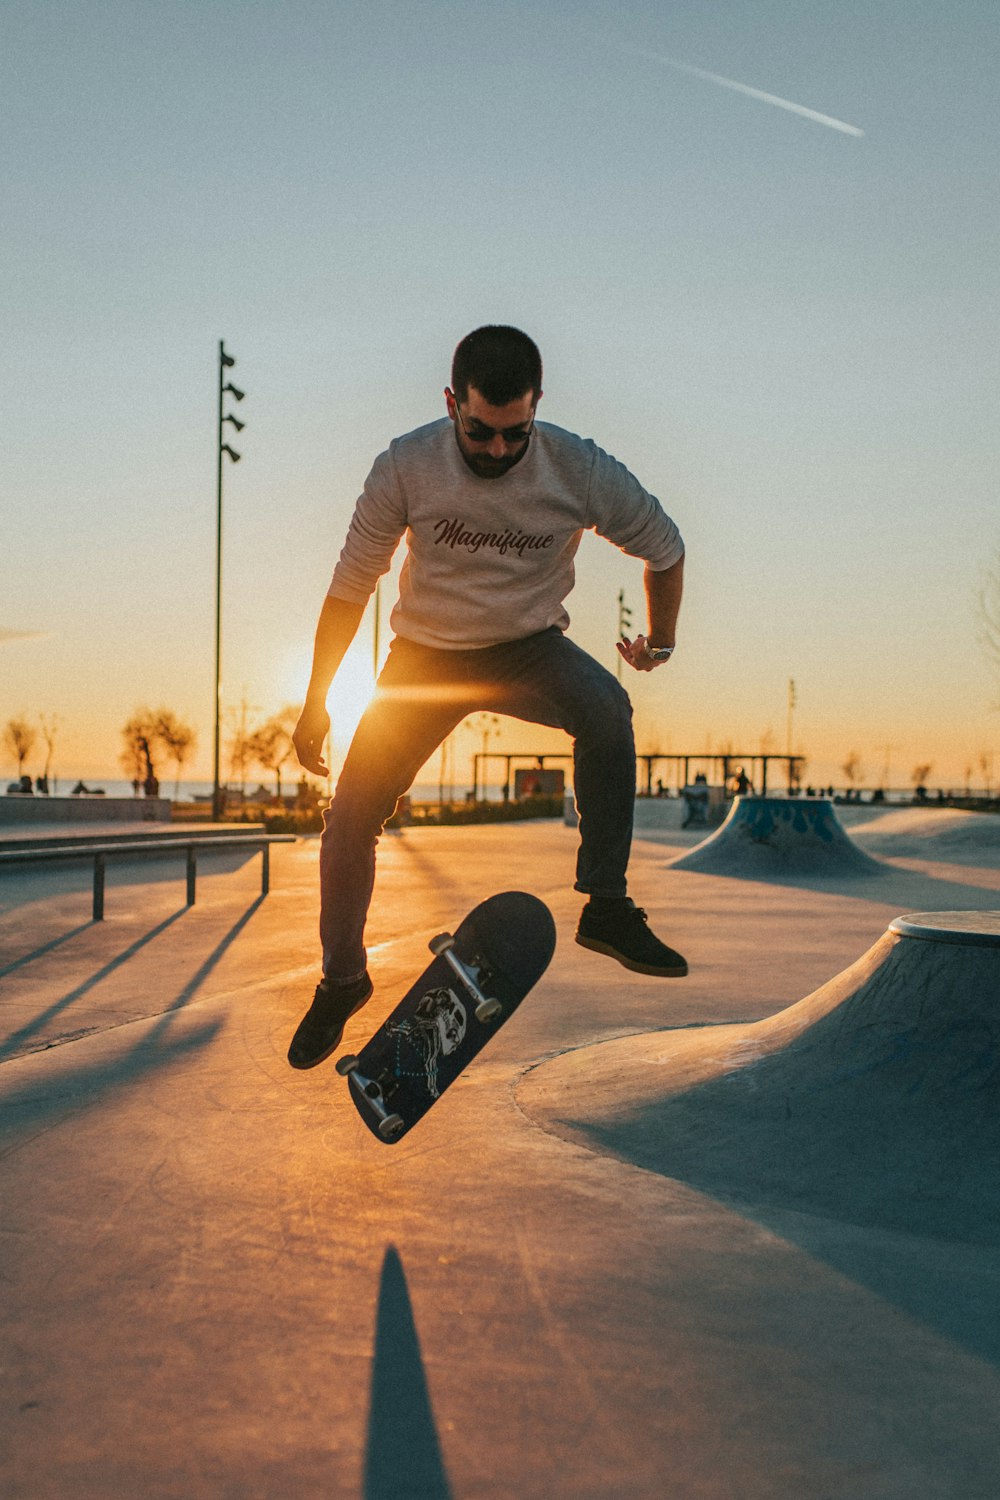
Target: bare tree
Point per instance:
(19, 739)
(177, 738)
(240, 749)
(271, 744)
(986, 766)
(919, 776)
(50, 728)
(853, 769)
(138, 739)
(151, 730)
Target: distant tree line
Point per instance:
(20, 737)
(150, 734)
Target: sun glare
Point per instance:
(348, 698)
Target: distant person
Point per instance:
(742, 786)
(492, 504)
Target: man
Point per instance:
(493, 504)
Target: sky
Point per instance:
(757, 243)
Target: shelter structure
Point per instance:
(683, 767)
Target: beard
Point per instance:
(485, 467)
(491, 468)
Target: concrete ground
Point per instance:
(216, 1283)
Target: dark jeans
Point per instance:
(422, 695)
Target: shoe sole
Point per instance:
(303, 1067)
(675, 971)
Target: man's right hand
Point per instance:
(310, 737)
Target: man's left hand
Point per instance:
(636, 653)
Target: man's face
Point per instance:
(492, 439)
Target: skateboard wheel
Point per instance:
(391, 1126)
(488, 1010)
(346, 1064)
(441, 943)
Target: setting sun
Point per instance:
(348, 698)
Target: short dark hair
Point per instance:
(501, 362)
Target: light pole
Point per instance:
(488, 724)
(624, 627)
(226, 362)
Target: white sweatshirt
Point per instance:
(491, 560)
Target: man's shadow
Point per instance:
(403, 1454)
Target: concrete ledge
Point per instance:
(18, 809)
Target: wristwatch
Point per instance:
(659, 653)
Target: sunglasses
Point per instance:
(477, 432)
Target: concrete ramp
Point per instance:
(875, 1100)
(779, 837)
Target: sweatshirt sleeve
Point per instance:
(374, 534)
(628, 515)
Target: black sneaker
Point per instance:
(622, 932)
(319, 1032)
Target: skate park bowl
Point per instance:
(779, 837)
(874, 1101)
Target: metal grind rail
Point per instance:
(100, 853)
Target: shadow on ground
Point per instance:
(402, 1452)
(906, 889)
(29, 1104)
(49, 947)
(899, 1192)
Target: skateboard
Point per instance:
(476, 980)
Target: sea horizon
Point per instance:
(421, 792)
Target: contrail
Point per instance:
(744, 88)
(23, 635)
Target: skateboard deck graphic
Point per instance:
(476, 980)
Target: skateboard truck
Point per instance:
(487, 1008)
(389, 1125)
